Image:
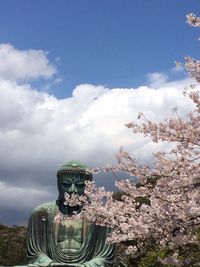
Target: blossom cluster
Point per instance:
(192, 65)
(193, 20)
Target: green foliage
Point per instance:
(153, 180)
(142, 200)
(151, 259)
(198, 234)
(151, 254)
(117, 195)
(190, 251)
(12, 245)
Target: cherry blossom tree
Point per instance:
(165, 203)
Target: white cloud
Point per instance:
(178, 69)
(156, 79)
(160, 80)
(24, 65)
(39, 132)
(26, 197)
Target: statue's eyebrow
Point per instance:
(77, 179)
(67, 179)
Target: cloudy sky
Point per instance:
(72, 73)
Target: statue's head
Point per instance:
(71, 178)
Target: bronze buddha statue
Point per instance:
(69, 243)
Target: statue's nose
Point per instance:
(73, 189)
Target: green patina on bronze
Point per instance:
(70, 243)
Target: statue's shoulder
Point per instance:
(45, 207)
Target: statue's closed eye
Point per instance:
(80, 184)
(66, 184)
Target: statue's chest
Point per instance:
(70, 235)
(70, 230)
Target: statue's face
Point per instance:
(71, 183)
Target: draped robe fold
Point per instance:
(42, 241)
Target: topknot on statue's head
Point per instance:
(75, 166)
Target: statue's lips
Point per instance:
(63, 196)
(70, 194)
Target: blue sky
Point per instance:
(72, 73)
(113, 43)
